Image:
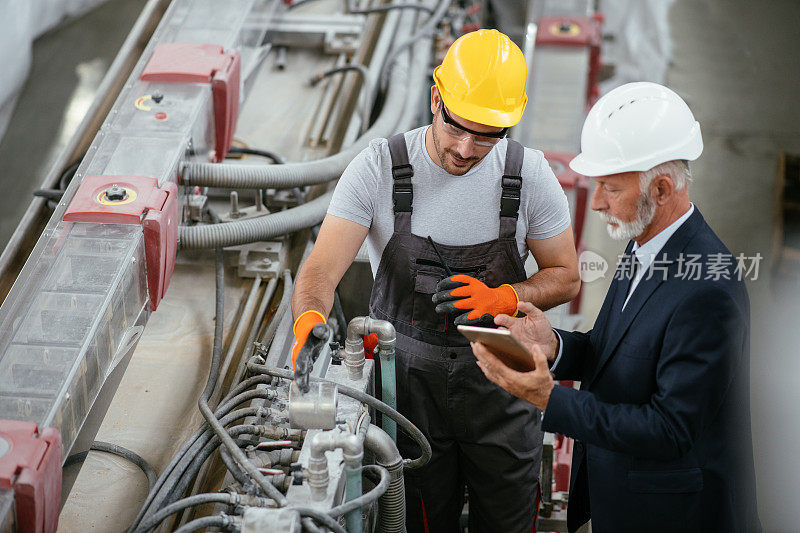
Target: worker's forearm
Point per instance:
(313, 290)
(549, 287)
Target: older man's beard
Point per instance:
(624, 231)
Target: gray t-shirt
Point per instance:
(453, 210)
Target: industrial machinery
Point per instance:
(154, 199)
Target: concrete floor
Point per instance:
(735, 62)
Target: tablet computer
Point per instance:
(503, 345)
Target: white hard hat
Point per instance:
(634, 128)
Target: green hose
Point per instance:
(353, 491)
(388, 390)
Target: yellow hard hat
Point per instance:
(482, 79)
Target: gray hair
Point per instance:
(677, 170)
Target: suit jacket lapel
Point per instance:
(603, 316)
(667, 257)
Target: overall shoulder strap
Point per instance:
(402, 191)
(512, 184)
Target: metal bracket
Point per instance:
(335, 33)
(264, 259)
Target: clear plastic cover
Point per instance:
(85, 284)
(56, 354)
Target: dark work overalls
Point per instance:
(481, 435)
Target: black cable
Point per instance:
(234, 469)
(219, 324)
(55, 195)
(277, 159)
(272, 327)
(266, 394)
(125, 453)
(246, 384)
(361, 69)
(211, 445)
(381, 9)
(368, 497)
(181, 460)
(191, 501)
(190, 461)
(320, 518)
(363, 397)
(206, 411)
(50, 194)
(310, 526)
(221, 521)
(170, 492)
(212, 215)
(69, 173)
(299, 195)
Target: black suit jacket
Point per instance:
(662, 420)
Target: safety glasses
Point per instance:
(456, 131)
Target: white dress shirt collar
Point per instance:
(648, 251)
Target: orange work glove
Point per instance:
(472, 301)
(301, 329)
(370, 343)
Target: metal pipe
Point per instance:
(368, 498)
(229, 498)
(297, 174)
(392, 515)
(412, 430)
(366, 104)
(248, 309)
(352, 9)
(269, 292)
(424, 33)
(354, 359)
(353, 490)
(18, 247)
(324, 441)
(422, 53)
(320, 170)
(255, 229)
(213, 376)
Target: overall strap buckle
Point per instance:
(402, 172)
(509, 198)
(512, 180)
(402, 197)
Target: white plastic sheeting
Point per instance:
(637, 33)
(21, 22)
(640, 47)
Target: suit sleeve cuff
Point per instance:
(560, 351)
(556, 416)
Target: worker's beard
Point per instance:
(625, 231)
(445, 157)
